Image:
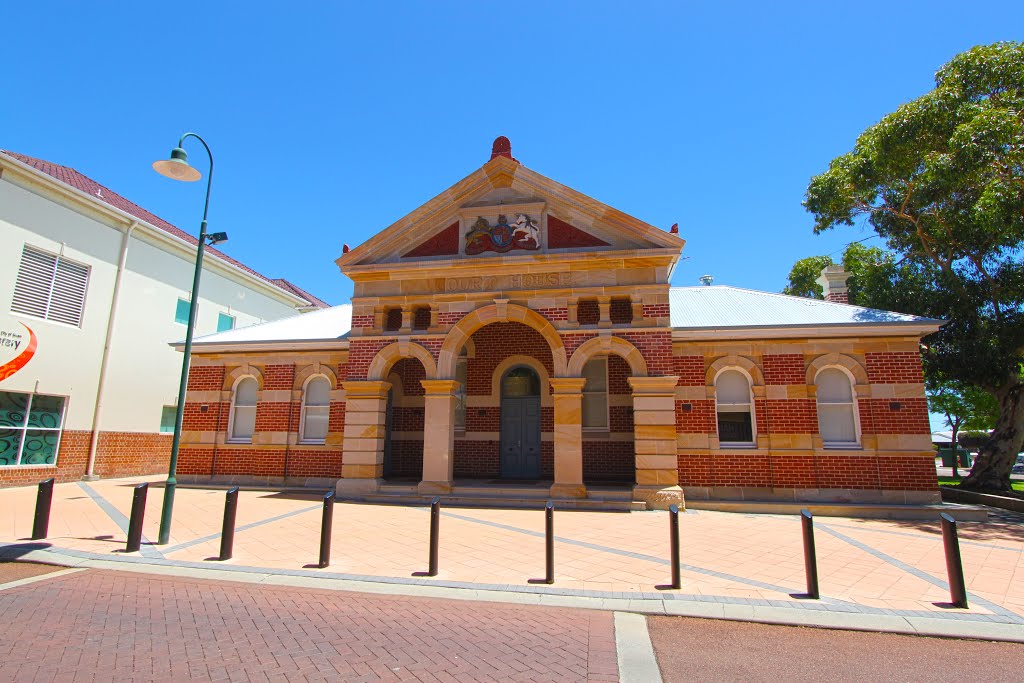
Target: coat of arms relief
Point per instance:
(503, 236)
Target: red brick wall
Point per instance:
(496, 342)
(554, 314)
(910, 473)
(421, 318)
(656, 310)
(444, 243)
(360, 354)
(410, 371)
(588, 312)
(406, 459)
(655, 347)
(786, 368)
(361, 321)
(274, 416)
(792, 416)
(892, 367)
(260, 462)
(621, 311)
(278, 377)
(477, 459)
(608, 461)
(700, 419)
(118, 454)
(690, 369)
(206, 378)
(911, 417)
(562, 235)
(447, 318)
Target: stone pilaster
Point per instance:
(604, 306)
(568, 398)
(438, 435)
(362, 466)
(406, 320)
(654, 420)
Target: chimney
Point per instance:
(833, 281)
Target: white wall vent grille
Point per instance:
(50, 287)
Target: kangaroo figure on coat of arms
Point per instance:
(523, 233)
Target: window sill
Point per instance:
(312, 442)
(842, 446)
(740, 444)
(239, 441)
(34, 466)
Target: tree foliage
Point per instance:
(862, 263)
(941, 181)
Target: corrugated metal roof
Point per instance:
(326, 323)
(719, 306)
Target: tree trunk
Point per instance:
(991, 473)
(955, 446)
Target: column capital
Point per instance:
(366, 388)
(567, 385)
(439, 387)
(654, 385)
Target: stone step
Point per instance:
(499, 500)
(962, 513)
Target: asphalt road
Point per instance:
(712, 650)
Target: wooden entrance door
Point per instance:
(520, 424)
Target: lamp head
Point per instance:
(177, 167)
(215, 238)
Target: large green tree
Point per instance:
(941, 181)
(859, 261)
(963, 407)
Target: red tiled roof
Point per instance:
(300, 292)
(73, 178)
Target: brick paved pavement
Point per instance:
(100, 625)
(868, 566)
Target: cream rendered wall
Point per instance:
(143, 370)
(67, 360)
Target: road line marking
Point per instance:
(41, 577)
(633, 649)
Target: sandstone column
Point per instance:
(438, 435)
(568, 395)
(362, 464)
(654, 429)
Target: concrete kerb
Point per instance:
(787, 616)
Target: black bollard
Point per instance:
(810, 556)
(325, 530)
(41, 523)
(435, 526)
(549, 542)
(227, 534)
(135, 523)
(673, 517)
(954, 566)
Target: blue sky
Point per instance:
(328, 122)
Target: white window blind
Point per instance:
(50, 287)
(316, 410)
(243, 419)
(595, 394)
(837, 422)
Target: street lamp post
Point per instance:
(178, 168)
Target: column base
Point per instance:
(434, 487)
(568, 491)
(90, 477)
(357, 487)
(660, 497)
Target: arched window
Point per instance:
(243, 409)
(595, 394)
(316, 408)
(837, 410)
(735, 409)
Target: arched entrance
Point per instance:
(520, 424)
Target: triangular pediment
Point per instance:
(504, 209)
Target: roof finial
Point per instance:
(345, 249)
(674, 229)
(501, 148)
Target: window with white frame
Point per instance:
(243, 409)
(734, 408)
(30, 428)
(316, 409)
(837, 410)
(595, 394)
(50, 287)
(225, 322)
(461, 375)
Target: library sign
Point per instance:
(18, 344)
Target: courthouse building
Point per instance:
(513, 336)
